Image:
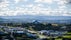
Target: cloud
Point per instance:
(37, 7)
(3, 4)
(1, 1)
(68, 1)
(62, 2)
(44, 1)
(17, 1)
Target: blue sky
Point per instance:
(35, 7)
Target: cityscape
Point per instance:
(35, 29)
(35, 19)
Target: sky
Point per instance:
(35, 7)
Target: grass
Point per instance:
(67, 36)
(68, 33)
(58, 39)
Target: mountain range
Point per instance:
(31, 18)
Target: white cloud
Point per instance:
(62, 2)
(35, 9)
(44, 1)
(66, 15)
(17, 1)
(29, 5)
(4, 4)
(62, 7)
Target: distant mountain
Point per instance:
(30, 18)
(3, 20)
